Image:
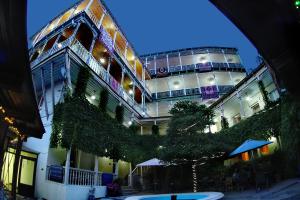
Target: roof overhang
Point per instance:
(16, 88)
(274, 29)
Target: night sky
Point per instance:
(160, 25)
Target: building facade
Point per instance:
(86, 35)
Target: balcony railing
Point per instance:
(76, 176)
(223, 89)
(104, 75)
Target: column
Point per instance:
(184, 87)
(114, 39)
(89, 5)
(52, 86)
(96, 171)
(67, 167)
(93, 44)
(44, 93)
(108, 65)
(122, 78)
(144, 76)
(133, 91)
(180, 61)
(135, 67)
(198, 83)
(130, 175)
(155, 65)
(242, 111)
(141, 130)
(116, 172)
(168, 63)
(125, 51)
(143, 101)
(68, 70)
(101, 20)
(231, 79)
(225, 58)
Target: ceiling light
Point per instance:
(102, 60)
(248, 98)
(93, 97)
(130, 83)
(143, 113)
(59, 45)
(176, 84)
(130, 123)
(203, 59)
(130, 91)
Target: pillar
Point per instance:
(67, 167)
(114, 39)
(52, 86)
(143, 101)
(241, 106)
(130, 176)
(68, 71)
(180, 61)
(101, 20)
(44, 92)
(141, 130)
(122, 78)
(96, 171)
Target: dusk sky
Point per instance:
(160, 25)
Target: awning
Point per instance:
(249, 145)
(17, 95)
(152, 162)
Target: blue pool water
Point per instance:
(179, 197)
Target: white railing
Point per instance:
(84, 177)
(77, 176)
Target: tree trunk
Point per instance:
(16, 168)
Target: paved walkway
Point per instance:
(286, 190)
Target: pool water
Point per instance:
(179, 197)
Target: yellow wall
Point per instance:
(105, 164)
(124, 168)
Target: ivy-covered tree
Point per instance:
(186, 141)
(119, 113)
(103, 100)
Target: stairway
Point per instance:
(129, 191)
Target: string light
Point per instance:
(195, 182)
(10, 121)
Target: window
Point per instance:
(255, 107)
(236, 119)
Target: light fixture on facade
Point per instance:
(131, 83)
(59, 45)
(102, 60)
(93, 97)
(130, 91)
(130, 123)
(143, 113)
(248, 98)
(176, 84)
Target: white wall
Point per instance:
(42, 145)
(58, 191)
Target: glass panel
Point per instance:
(27, 172)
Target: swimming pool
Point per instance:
(181, 196)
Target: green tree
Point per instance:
(186, 141)
(103, 100)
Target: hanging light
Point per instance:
(102, 60)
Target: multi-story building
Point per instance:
(86, 35)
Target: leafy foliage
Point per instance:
(290, 128)
(224, 122)
(103, 100)
(155, 129)
(119, 114)
(82, 80)
(186, 140)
